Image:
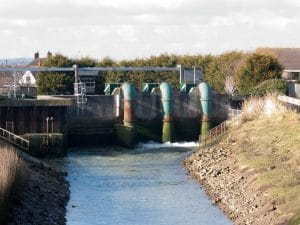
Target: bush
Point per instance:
(54, 83)
(223, 66)
(270, 86)
(257, 68)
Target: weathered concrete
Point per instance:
(93, 122)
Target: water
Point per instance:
(143, 186)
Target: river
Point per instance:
(143, 186)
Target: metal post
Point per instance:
(47, 126)
(15, 85)
(75, 67)
(194, 74)
(51, 118)
(180, 73)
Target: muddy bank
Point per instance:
(231, 186)
(43, 197)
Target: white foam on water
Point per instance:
(155, 145)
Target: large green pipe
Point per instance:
(167, 102)
(206, 106)
(129, 97)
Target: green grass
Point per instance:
(271, 146)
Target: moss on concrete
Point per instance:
(149, 130)
(126, 136)
(42, 144)
(168, 132)
(205, 127)
(187, 129)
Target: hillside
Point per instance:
(253, 173)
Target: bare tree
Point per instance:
(230, 86)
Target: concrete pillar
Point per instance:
(129, 98)
(168, 103)
(206, 106)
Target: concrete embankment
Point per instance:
(43, 197)
(252, 174)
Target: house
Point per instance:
(27, 79)
(289, 58)
(37, 61)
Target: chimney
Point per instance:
(49, 54)
(36, 55)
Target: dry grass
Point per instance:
(11, 176)
(268, 140)
(264, 106)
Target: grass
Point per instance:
(11, 176)
(268, 140)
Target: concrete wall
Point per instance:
(32, 119)
(97, 117)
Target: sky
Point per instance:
(126, 29)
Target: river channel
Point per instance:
(143, 186)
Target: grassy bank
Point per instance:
(267, 139)
(11, 176)
(253, 172)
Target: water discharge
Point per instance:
(142, 186)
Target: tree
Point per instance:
(54, 83)
(221, 67)
(257, 68)
(230, 86)
(58, 60)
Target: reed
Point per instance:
(12, 175)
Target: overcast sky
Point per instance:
(138, 28)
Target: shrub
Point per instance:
(262, 106)
(257, 68)
(270, 86)
(223, 66)
(11, 176)
(54, 83)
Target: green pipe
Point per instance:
(128, 91)
(129, 97)
(167, 102)
(206, 106)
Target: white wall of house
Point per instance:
(27, 79)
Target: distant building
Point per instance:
(290, 59)
(27, 79)
(37, 61)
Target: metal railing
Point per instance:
(234, 112)
(290, 102)
(14, 139)
(213, 134)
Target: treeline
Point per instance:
(229, 72)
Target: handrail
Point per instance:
(213, 134)
(14, 139)
(219, 130)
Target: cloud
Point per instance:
(133, 28)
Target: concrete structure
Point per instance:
(100, 120)
(167, 103)
(206, 106)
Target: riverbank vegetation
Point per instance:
(246, 71)
(12, 175)
(253, 173)
(268, 141)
